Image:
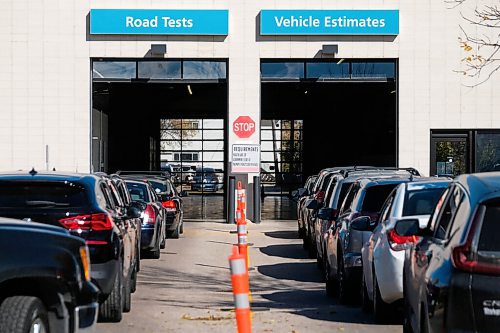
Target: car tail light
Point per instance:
(461, 258)
(149, 215)
(320, 196)
(397, 242)
(169, 204)
(99, 221)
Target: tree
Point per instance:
(482, 47)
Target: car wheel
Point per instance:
(175, 233)
(127, 294)
(20, 314)
(133, 286)
(181, 230)
(343, 284)
(111, 310)
(163, 243)
(381, 309)
(366, 303)
(311, 246)
(330, 284)
(155, 253)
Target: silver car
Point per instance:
(383, 254)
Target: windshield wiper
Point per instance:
(43, 203)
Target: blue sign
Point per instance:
(158, 22)
(329, 22)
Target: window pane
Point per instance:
(283, 70)
(160, 69)
(204, 70)
(373, 70)
(192, 145)
(213, 145)
(213, 123)
(375, 197)
(327, 70)
(487, 152)
(421, 202)
(113, 70)
(490, 230)
(213, 135)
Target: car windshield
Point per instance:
(138, 191)
(421, 202)
(38, 194)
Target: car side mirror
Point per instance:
(133, 212)
(408, 227)
(362, 223)
(313, 204)
(325, 214)
(183, 194)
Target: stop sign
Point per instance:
(244, 127)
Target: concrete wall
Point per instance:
(45, 70)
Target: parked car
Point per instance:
(171, 200)
(44, 279)
(383, 254)
(300, 196)
(343, 252)
(153, 237)
(451, 277)
(85, 205)
(205, 179)
(335, 194)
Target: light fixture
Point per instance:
(305, 92)
(189, 89)
(340, 61)
(393, 92)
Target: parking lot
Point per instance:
(189, 288)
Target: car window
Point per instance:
(343, 193)
(35, 194)
(330, 188)
(107, 196)
(117, 202)
(138, 191)
(351, 194)
(490, 229)
(447, 212)
(387, 207)
(421, 202)
(375, 196)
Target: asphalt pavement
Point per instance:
(189, 288)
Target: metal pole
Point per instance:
(256, 199)
(231, 200)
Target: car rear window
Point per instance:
(375, 197)
(138, 191)
(490, 231)
(14, 194)
(161, 187)
(421, 202)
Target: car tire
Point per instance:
(127, 294)
(366, 303)
(133, 286)
(163, 243)
(20, 314)
(155, 253)
(175, 233)
(181, 229)
(311, 246)
(381, 310)
(111, 310)
(343, 283)
(330, 284)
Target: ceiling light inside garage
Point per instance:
(189, 89)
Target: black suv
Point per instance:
(451, 277)
(44, 279)
(86, 206)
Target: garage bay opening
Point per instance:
(321, 113)
(164, 115)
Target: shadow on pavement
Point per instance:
(301, 271)
(291, 251)
(285, 234)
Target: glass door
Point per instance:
(450, 155)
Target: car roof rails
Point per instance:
(146, 173)
(412, 171)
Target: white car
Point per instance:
(383, 254)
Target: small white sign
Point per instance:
(245, 158)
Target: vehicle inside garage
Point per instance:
(168, 116)
(323, 113)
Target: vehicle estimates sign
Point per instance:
(158, 22)
(329, 22)
(245, 158)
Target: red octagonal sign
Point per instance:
(244, 127)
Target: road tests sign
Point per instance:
(245, 158)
